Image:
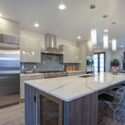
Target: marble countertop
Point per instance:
(73, 87)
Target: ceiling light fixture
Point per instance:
(106, 30)
(94, 36)
(79, 37)
(0, 15)
(105, 41)
(36, 25)
(62, 6)
(114, 45)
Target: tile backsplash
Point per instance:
(49, 62)
(39, 67)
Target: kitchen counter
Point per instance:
(71, 100)
(25, 77)
(73, 87)
(76, 72)
(30, 74)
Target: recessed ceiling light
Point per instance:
(92, 6)
(106, 30)
(62, 6)
(36, 25)
(105, 16)
(79, 37)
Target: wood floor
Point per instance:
(14, 115)
(107, 118)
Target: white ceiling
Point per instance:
(76, 20)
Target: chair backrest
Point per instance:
(119, 96)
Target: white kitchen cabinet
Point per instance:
(26, 77)
(30, 50)
(71, 54)
(35, 50)
(24, 49)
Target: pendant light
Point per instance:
(114, 45)
(105, 42)
(94, 36)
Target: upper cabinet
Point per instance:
(30, 50)
(71, 54)
(9, 33)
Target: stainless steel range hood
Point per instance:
(51, 45)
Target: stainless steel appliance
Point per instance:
(51, 45)
(9, 73)
(53, 74)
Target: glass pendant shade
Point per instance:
(114, 45)
(94, 36)
(105, 42)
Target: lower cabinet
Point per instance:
(50, 113)
(24, 78)
(40, 109)
(44, 109)
(31, 117)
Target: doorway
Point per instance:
(99, 62)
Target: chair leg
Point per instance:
(114, 115)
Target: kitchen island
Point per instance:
(71, 100)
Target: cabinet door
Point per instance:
(30, 50)
(25, 49)
(76, 55)
(72, 54)
(50, 111)
(67, 58)
(35, 51)
(26, 78)
(31, 106)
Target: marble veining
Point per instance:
(73, 87)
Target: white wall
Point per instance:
(119, 54)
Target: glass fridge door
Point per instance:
(49, 112)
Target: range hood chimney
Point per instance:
(51, 45)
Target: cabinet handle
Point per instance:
(37, 101)
(35, 98)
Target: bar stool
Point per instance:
(115, 101)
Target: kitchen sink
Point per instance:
(87, 76)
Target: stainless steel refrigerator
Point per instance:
(9, 71)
